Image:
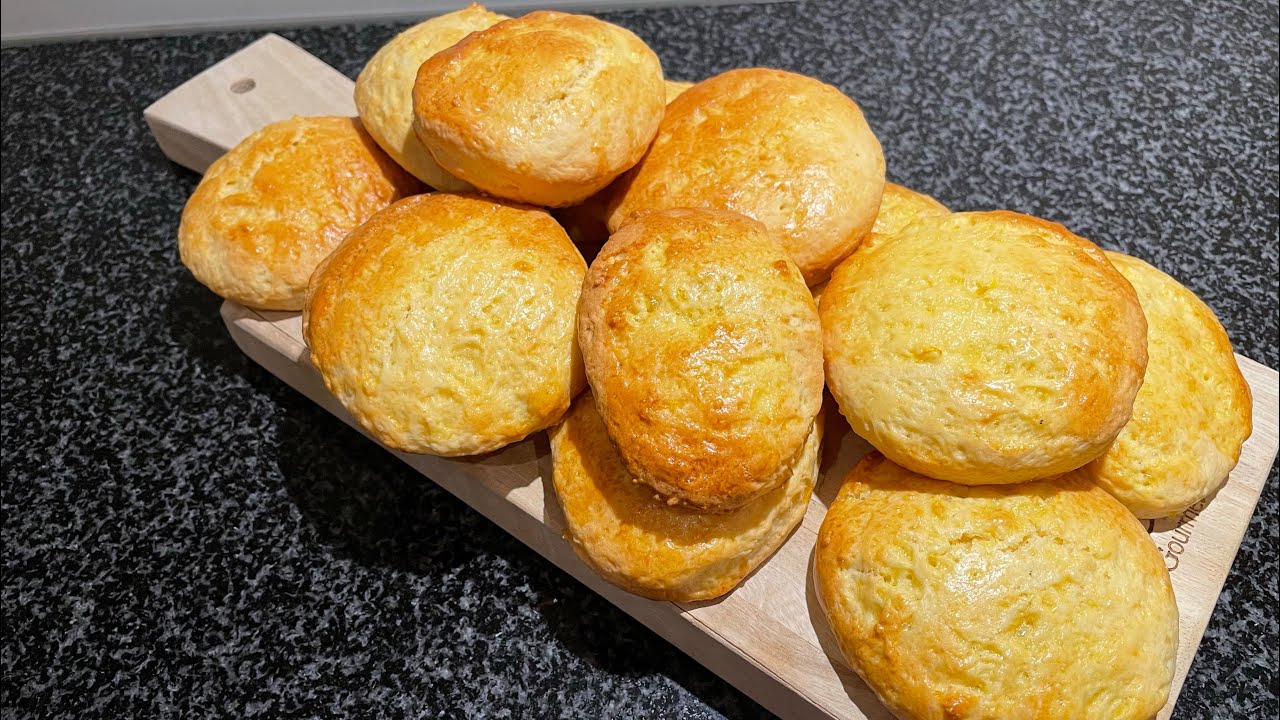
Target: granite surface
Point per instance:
(184, 536)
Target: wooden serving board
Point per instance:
(768, 636)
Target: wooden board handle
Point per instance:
(269, 80)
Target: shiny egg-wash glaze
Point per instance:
(785, 149)
(1017, 356)
(271, 209)
(1037, 601)
(445, 324)
(703, 348)
(638, 541)
(546, 109)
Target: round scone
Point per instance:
(1194, 410)
(445, 324)
(639, 543)
(984, 348)
(703, 348)
(899, 207)
(785, 149)
(547, 108)
(1041, 600)
(384, 89)
(267, 212)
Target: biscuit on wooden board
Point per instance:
(637, 541)
(268, 211)
(703, 348)
(585, 221)
(675, 88)
(785, 149)
(899, 207)
(1039, 600)
(445, 324)
(987, 347)
(1194, 410)
(546, 109)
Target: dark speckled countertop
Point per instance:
(185, 536)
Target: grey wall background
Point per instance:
(26, 21)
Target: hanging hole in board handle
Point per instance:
(243, 86)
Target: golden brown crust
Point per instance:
(547, 108)
(899, 207)
(984, 347)
(1194, 410)
(585, 222)
(1037, 601)
(638, 542)
(384, 89)
(703, 348)
(790, 151)
(445, 324)
(267, 212)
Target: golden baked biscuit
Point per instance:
(548, 108)
(1038, 601)
(985, 347)
(384, 89)
(899, 207)
(675, 88)
(703, 349)
(267, 212)
(787, 150)
(585, 222)
(445, 324)
(1194, 410)
(639, 543)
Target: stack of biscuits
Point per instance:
(1028, 395)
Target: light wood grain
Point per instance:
(269, 80)
(767, 637)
